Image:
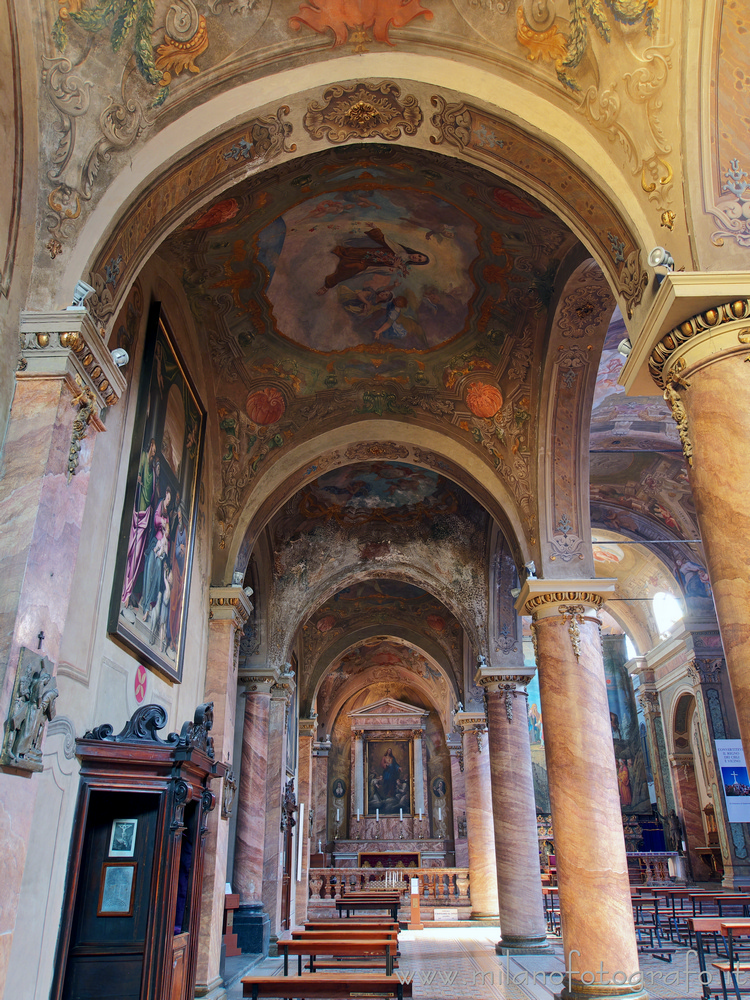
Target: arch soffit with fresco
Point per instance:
(282, 636)
(384, 440)
(397, 632)
(545, 151)
(364, 679)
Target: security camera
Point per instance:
(625, 347)
(80, 294)
(120, 357)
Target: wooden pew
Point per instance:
(731, 929)
(704, 927)
(348, 947)
(358, 905)
(360, 924)
(318, 985)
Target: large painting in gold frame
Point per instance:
(148, 610)
(388, 778)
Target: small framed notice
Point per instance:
(117, 889)
(445, 913)
(122, 838)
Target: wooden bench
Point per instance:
(730, 929)
(360, 924)
(339, 934)
(358, 905)
(704, 927)
(349, 947)
(316, 984)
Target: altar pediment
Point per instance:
(388, 713)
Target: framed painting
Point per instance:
(117, 889)
(388, 781)
(148, 611)
(122, 838)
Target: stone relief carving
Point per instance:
(363, 111)
(32, 706)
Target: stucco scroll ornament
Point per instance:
(679, 413)
(363, 111)
(86, 403)
(632, 281)
(573, 614)
(733, 209)
(453, 122)
(32, 706)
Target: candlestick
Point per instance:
(440, 812)
(377, 815)
(320, 849)
(401, 815)
(358, 815)
(420, 815)
(337, 815)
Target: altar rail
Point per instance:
(442, 887)
(650, 867)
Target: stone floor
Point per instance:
(457, 962)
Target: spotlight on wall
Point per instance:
(625, 347)
(530, 568)
(80, 294)
(662, 262)
(120, 357)
(515, 592)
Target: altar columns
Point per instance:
(419, 802)
(519, 884)
(229, 610)
(307, 729)
(594, 890)
(483, 874)
(358, 806)
(250, 923)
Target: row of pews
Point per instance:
(340, 955)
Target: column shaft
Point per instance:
(519, 884)
(306, 736)
(479, 819)
(594, 890)
(272, 840)
(229, 610)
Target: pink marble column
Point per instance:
(44, 511)
(229, 609)
(307, 729)
(693, 348)
(689, 811)
(595, 908)
(479, 817)
(458, 785)
(250, 924)
(319, 797)
(275, 780)
(519, 882)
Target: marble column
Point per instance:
(319, 796)
(594, 890)
(689, 811)
(480, 828)
(519, 883)
(358, 806)
(419, 803)
(307, 729)
(693, 348)
(229, 610)
(251, 925)
(458, 784)
(65, 379)
(281, 694)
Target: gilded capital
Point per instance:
(555, 598)
(307, 727)
(695, 318)
(230, 604)
(67, 344)
(260, 680)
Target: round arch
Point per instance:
(426, 447)
(148, 200)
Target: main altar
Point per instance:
(393, 808)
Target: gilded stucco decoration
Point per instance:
(363, 111)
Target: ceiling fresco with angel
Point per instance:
(369, 254)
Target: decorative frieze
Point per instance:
(706, 670)
(363, 111)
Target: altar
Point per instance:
(389, 859)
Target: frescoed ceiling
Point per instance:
(371, 281)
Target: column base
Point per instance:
(489, 917)
(599, 991)
(510, 945)
(211, 991)
(253, 929)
